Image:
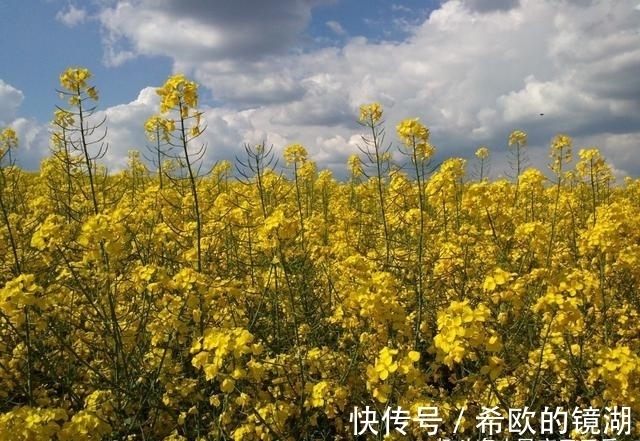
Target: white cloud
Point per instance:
(248, 84)
(10, 100)
(125, 127)
(336, 27)
(33, 142)
(33, 137)
(198, 31)
(72, 16)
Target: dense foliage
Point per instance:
(260, 305)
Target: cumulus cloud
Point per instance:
(10, 100)
(199, 31)
(33, 142)
(71, 16)
(248, 84)
(473, 70)
(33, 137)
(125, 127)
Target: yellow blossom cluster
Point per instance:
(178, 92)
(74, 85)
(371, 113)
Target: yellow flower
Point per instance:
(386, 365)
(295, 154)
(482, 152)
(498, 278)
(493, 344)
(518, 137)
(411, 132)
(493, 368)
(355, 165)
(92, 93)
(318, 394)
(178, 93)
(561, 142)
(74, 79)
(153, 126)
(560, 152)
(227, 385)
(371, 113)
(8, 140)
(381, 392)
(63, 118)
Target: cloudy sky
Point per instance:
(287, 71)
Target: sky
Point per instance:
(297, 71)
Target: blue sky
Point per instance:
(289, 71)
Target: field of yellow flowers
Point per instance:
(252, 304)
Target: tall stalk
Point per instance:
(415, 138)
(179, 97)
(378, 158)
